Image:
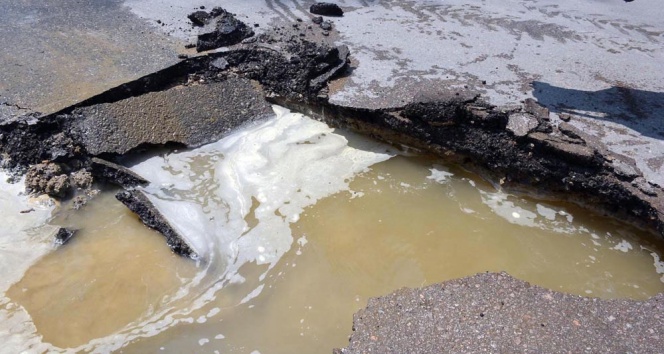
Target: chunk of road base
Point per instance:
(139, 203)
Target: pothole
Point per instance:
(293, 225)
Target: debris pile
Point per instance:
(219, 28)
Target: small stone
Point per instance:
(317, 20)
(63, 236)
(220, 63)
(520, 124)
(326, 25)
(326, 9)
(570, 131)
(644, 187)
(533, 107)
(217, 11)
(199, 18)
(625, 170)
(183, 56)
(565, 117)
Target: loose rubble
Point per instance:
(326, 9)
(219, 28)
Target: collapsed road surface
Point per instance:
(530, 98)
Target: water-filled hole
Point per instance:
(297, 237)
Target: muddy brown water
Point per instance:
(404, 221)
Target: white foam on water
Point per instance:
(623, 246)
(548, 213)
(659, 265)
(502, 206)
(24, 238)
(440, 174)
(23, 234)
(541, 216)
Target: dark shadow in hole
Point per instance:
(639, 110)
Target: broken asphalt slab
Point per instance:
(138, 202)
(190, 115)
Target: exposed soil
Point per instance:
(47, 178)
